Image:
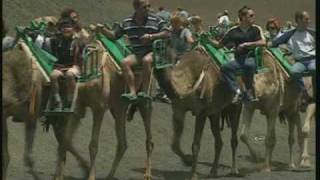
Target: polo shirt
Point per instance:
(153, 24)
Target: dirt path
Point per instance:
(165, 164)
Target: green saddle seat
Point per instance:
(284, 62)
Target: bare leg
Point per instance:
(147, 64)
(146, 111)
(120, 119)
(200, 122)
(247, 114)
(127, 63)
(178, 126)
(215, 129)
(93, 147)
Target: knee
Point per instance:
(147, 60)
(55, 75)
(126, 65)
(69, 74)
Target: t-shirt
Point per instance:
(165, 15)
(302, 44)
(179, 41)
(153, 24)
(224, 21)
(65, 50)
(236, 36)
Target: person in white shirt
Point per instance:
(301, 42)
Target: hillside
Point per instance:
(19, 12)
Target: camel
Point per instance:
(276, 94)
(310, 115)
(21, 93)
(194, 85)
(95, 94)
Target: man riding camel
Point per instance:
(302, 43)
(67, 49)
(142, 28)
(244, 38)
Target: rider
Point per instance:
(273, 27)
(181, 36)
(244, 38)
(142, 28)
(164, 14)
(67, 48)
(74, 16)
(302, 43)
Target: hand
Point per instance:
(146, 38)
(243, 45)
(99, 27)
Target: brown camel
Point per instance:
(276, 93)
(21, 82)
(93, 94)
(195, 85)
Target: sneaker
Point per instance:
(144, 96)
(250, 96)
(165, 99)
(237, 97)
(129, 97)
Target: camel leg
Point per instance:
(215, 129)
(178, 126)
(270, 140)
(291, 140)
(64, 130)
(305, 159)
(30, 130)
(235, 113)
(120, 125)
(146, 111)
(247, 114)
(58, 129)
(5, 151)
(93, 147)
(200, 122)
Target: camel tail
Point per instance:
(230, 113)
(282, 117)
(225, 117)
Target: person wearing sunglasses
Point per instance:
(142, 28)
(243, 38)
(67, 48)
(75, 17)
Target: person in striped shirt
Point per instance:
(142, 27)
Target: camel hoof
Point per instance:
(234, 172)
(194, 177)
(292, 166)
(305, 162)
(213, 173)
(147, 177)
(187, 160)
(266, 169)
